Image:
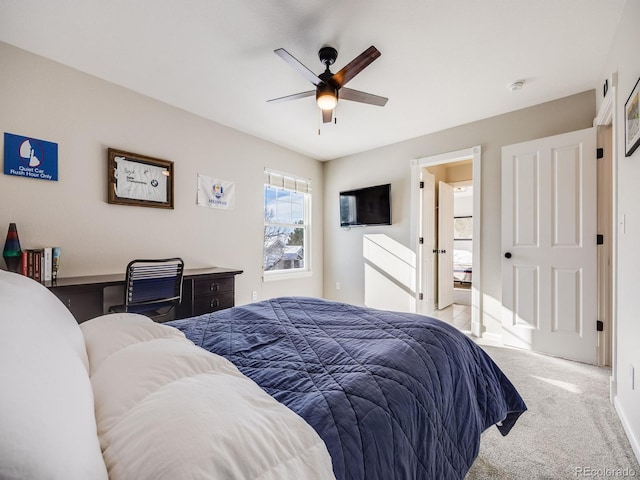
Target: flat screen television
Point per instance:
(366, 206)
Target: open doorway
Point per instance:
(459, 170)
(462, 241)
(452, 214)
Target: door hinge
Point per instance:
(599, 326)
(421, 184)
(420, 296)
(600, 239)
(421, 240)
(600, 153)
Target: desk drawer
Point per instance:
(211, 303)
(211, 286)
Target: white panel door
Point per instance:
(445, 245)
(549, 276)
(428, 234)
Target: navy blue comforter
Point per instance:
(394, 396)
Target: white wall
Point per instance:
(85, 116)
(624, 60)
(462, 205)
(343, 248)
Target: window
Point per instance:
(287, 202)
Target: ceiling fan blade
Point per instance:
(295, 96)
(355, 66)
(362, 97)
(326, 116)
(291, 60)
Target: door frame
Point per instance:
(475, 154)
(607, 115)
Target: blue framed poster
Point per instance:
(30, 157)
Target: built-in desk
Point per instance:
(204, 290)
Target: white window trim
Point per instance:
(277, 275)
(301, 185)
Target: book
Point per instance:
(24, 263)
(30, 263)
(37, 264)
(55, 263)
(47, 264)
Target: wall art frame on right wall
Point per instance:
(632, 121)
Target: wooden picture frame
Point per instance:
(632, 121)
(139, 180)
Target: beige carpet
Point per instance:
(571, 430)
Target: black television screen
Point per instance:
(366, 206)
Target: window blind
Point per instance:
(290, 182)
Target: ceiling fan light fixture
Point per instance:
(329, 84)
(326, 97)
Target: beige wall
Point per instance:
(85, 116)
(460, 172)
(343, 248)
(623, 60)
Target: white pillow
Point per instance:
(47, 420)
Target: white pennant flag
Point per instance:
(215, 193)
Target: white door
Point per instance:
(549, 276)
(445, 245)
(428, 246)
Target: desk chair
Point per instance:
(152, 287)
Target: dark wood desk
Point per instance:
(204, 290)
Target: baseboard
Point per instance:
(492, 337)
(490, 340)
(476, 329)
(633, 440)
(613, 389)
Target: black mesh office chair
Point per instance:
(152, 288)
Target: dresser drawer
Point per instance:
(210, 286)
(211, 303)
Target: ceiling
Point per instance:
(444, 62)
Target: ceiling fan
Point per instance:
(330, 86)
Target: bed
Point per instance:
(462, 266)
(393, 395)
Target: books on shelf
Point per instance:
(41, 264)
